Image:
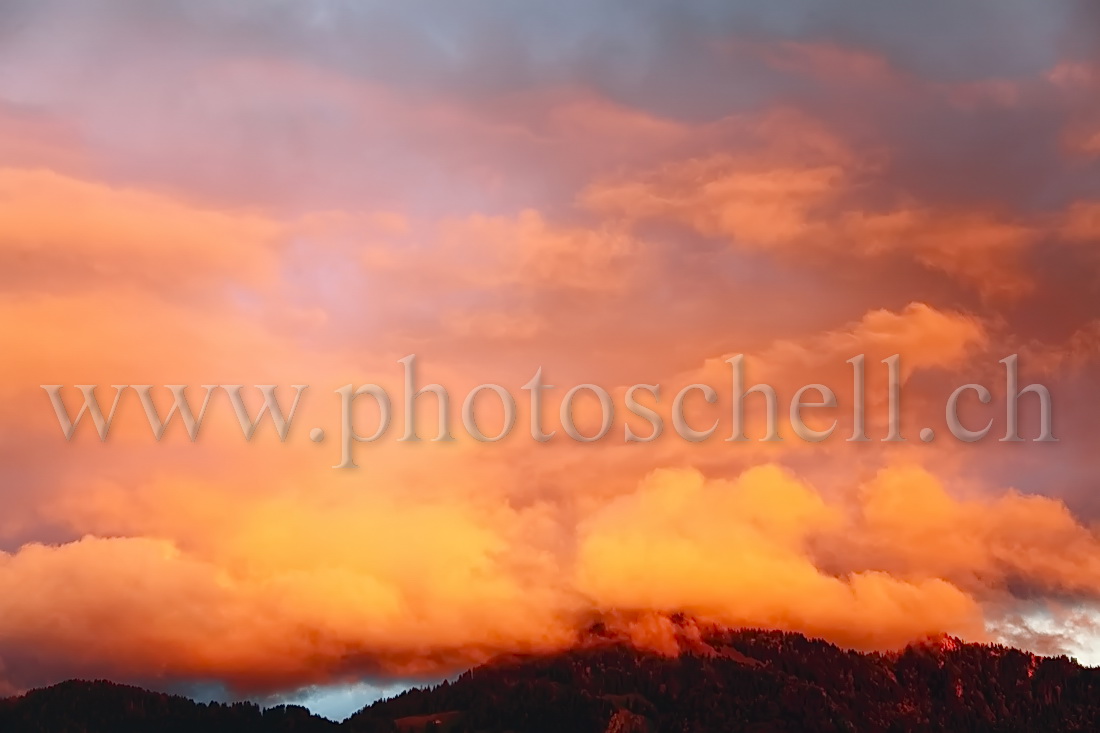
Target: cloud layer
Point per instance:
(284, 193)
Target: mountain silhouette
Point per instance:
(724, 681)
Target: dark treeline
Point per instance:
(753, 681)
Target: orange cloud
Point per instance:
(911, 525)
(313, 218)
(61, 232)
(800, 210)
(1082, 222)
(295, 590)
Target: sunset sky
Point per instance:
(304, 192)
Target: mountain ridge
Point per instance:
(747, 680)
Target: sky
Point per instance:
(617, 193)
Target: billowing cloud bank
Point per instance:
(281, 193)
